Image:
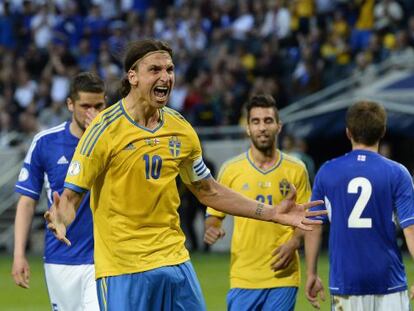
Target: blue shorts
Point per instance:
(170, 288)
(278, 298)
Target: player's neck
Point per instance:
(358, 146)
(143, 113)
(264, 159)
(75, 130)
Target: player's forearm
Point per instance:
(22, 223)
(312, 246)
(297, 237)
(230, 202)
(68, 205)
(409, 239)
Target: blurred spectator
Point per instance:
(364, 69)
(364, 25)
(388, 15)
(277, 20)
(223, 49)
(385, 149)
(42, 25)
(298, 148)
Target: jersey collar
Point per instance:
(270, 169)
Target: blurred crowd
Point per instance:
(225, 50)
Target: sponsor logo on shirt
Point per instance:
(62, 160)
(264, 184)
(24, 174)
(74, 168)
(152, 141)
(130, 146)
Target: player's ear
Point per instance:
(132, 77)
(280, 126)
(70, 104)
(348, 134)
(248, 130)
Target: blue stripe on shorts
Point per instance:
(170, 288)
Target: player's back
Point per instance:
(365, 194)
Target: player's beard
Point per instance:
(265, 146)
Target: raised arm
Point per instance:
(24, 215)
(62, 213)
(221, 198)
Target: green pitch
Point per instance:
(212, 270)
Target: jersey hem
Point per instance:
(143, 269)
(248, 285)
(368, 292)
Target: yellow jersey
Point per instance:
(254, 241)
(131, 171)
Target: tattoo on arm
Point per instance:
(197, 185)
(259, 209)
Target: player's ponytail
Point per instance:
(125, 87)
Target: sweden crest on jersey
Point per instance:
(175, 146)
(284, 187)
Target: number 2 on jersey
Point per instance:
(355, 220)
(152, 167)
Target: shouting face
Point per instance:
(153, 77)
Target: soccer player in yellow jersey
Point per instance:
(258, 248)
(129, 158)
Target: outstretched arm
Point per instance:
(22, 223)
(211, 193)
(62, 213)
(409, 239)
(313, 286)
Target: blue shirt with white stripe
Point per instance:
(366, 195)
(46, 163)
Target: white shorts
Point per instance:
(390, 302)
(71, 288)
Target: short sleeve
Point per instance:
(31, 176)
(90, 158)
(404, 198)
(193, 168)
(319, 194)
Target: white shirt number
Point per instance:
(355, 220)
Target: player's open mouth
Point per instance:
(161, 92)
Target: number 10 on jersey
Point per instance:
(152, 166)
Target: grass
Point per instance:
(212, 270)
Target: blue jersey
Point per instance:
(366, 195)
(46, 163)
